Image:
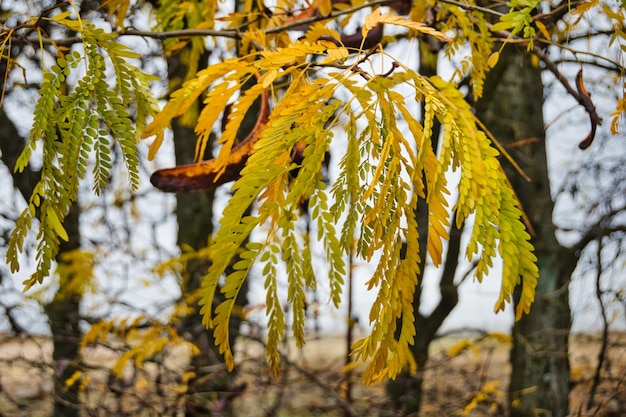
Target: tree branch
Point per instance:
(187, 33)
(602, 357)
(466, 6)
(580, 94)
(600, 229)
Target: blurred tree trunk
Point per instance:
(406, 391)
(512, 110)
(194, 213)
(63, 310)
(64, 318)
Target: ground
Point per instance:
(467, 376)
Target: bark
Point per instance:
(512, 110)
(64, 318)
(63, 310)
(194, 213)
(11, 145)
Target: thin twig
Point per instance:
(610, 396)
(605, 328)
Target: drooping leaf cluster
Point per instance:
(75, 123)
(388, 163)
(322, 92)
(519, 20)
(470, 30)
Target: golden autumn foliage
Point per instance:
(389, 163)
(319, 88)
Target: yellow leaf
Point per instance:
(616, 116)
(56, 225)
(119, 8)
(176, 46)
(141, 383)
(542, 28)
(72, 380)
(349, 367)
(187, 376)
(370, 21)
(459, 347)
(583, 7)
(187, 248)
(155, 145)
(119, 366)
(535, 61)
(500, 337)
(268, 78)
(336, 55)
(375, 18)
(182, 99)
(204, 25)
(83, 385)
(325, 7)
(214, 103)
(278, 58)
(493, 59)
(62, 16)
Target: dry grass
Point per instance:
(461, 379)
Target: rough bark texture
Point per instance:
(512, 110)
(194, 213)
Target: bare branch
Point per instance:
(188, 33)
(601, 228)
(602, 357)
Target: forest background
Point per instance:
(120, 233)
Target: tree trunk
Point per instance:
(11, 146)
(64, 317)
(63, 311)
(512, 110)
(194, 213)
(406, 391)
